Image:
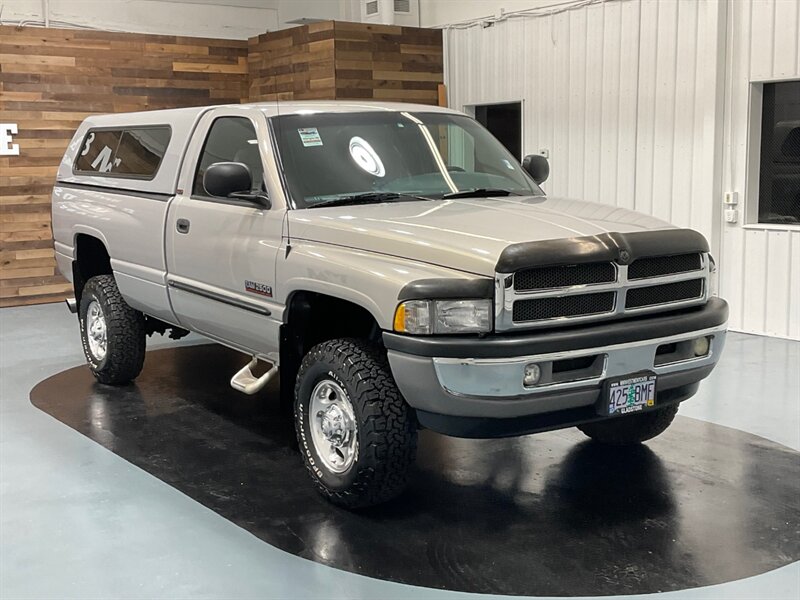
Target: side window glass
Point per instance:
(139, 151)
(97, 153)
(461, 148)
(230, 139)
(126, 153)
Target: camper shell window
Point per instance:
(123, 152)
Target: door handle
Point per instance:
(182, 225)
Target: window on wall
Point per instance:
(779, 177)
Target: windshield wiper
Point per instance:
(367, 198)
(479, 193)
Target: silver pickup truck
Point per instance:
(397, 264)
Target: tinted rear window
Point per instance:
(126, 152)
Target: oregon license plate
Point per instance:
(629, 394)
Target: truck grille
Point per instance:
(543, 278)
(657, 266)
(665, 293)
(537, 309)
(598, 290)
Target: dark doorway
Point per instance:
(504, 121)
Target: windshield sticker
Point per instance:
(366, 157)
(310, 136)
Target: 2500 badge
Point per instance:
(255, 287)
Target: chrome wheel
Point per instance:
(96, 330)
(333, 426)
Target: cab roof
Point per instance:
(270, 109)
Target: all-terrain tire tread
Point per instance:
(387, 430)
(125, 333)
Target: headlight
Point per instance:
(424, 317)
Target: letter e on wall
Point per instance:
(7, 148)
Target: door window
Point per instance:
(230, 139)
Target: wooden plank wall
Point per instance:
(388, 63)
(50, 80)
(339, 60)
(293, 64)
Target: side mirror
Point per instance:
(537, 167)
(232, 180)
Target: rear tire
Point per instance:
(360, 442)
(631, 429)
(112, 333)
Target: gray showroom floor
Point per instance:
(78, 521)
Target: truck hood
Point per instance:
(463, 234)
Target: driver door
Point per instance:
(221, 252)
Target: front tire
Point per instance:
(631, 429)
(356, 432)
(112, 333)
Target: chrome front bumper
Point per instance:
(483, 377)
(504, 377)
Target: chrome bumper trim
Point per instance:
(502, 377)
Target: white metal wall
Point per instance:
(760, 274)
(437, 13)
(606, 92)
(627, 96)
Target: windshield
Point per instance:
(392, 156)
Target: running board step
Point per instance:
(244, 381)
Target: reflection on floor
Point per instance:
(551, 514)
(85, 523)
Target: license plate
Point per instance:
(629, 394)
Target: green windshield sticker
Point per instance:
(310, 136)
